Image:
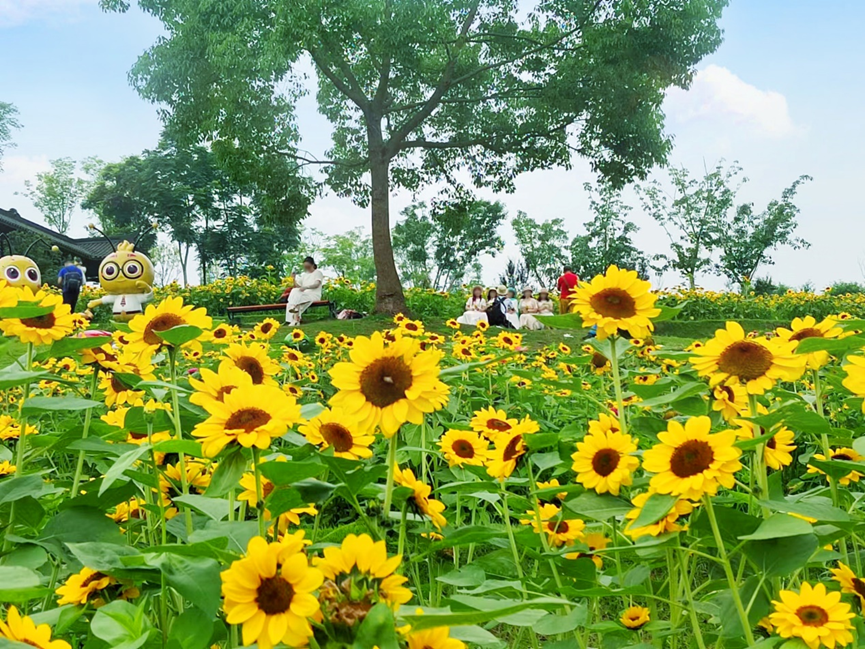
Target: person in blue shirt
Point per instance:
(70, 280)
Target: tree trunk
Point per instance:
(389, 297)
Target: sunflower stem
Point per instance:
(22, 443)
(178, 433)
(391, 468)
(256, 468)
(728, 571)
(88, 416)
(685, 576)
(402, 526)
(423, 466)
(758, 466)
(617, 383)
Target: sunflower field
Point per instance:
(179, 483)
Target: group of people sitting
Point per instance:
(501, 308)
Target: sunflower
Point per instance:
(11, 428)
(604, 461)
(198, 477)
(855, 380)
(20, 628)
(80, 586)
(250, 415)
(41, 329)
(604, 424)
(559, 531)
(814, 615)
(757, 363)
(850, 583)
(508, 340)
(636, 617)
(666, 525)
(690, 462)
(270, 592)
(296, 335)
(808, 327)
(646, 379)
(266, 329)
(427, 506)
(388, 385)
(452, 324)
(619, 299)
(482, 325)
(213, 386)
(731, 400)
(463, 447)
(437, 638)
(509, 448)
(600, 364)
(845, 454)
(322, 339)
(125, 511)
(249, 494)
(293, 358)
(778, 450)
(595, 541)
(7, 468)
(463, 352)
(549, 484)
(221, 334)
(358, 574)
(564, 349)
(170, 313)
(292, 390)
(254, 360)
(335, 428)
(411, 327)
(115, 389)
(435, 339)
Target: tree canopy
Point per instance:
(420, 91)
(8, 122)
(543, 247)
(58, 193)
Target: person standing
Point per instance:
(70, 280)
(307, 289)
(566, 285)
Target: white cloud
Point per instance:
(718, 95)
(17, 12)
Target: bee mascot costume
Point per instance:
(19, 270)
(126, 277)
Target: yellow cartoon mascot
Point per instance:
(126, 277)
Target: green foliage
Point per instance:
(436, 245)
(58, 193)
(608, 239)
(542, 246)
(48, 261)
(348, 255)
(8, 122)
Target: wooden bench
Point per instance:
(235, 311)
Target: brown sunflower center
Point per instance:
(842, 456)
(614, 303)
(812, 615)
(512, 450)
(252, 367)
(385, 381)
(266, 327)
(463, 448)
(96, 576)
(221, 392)
(292, 357)
(605, 461)
(771, 443)
(558, 527)
(338, 436)
(498, 425)
(809, 332)
(745, 360)
(117, 385)
(274, 595)
(162, 322)
(247, 419)
(858, 586)
(220, 333)
(266, 489)
(411, 326)
(691, 458)
(599, 360)
(729, 395)
(40, 322)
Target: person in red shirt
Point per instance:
(566, 285)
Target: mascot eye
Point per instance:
(110, 270)
(33, 275)
(13, 274)
(132, 269)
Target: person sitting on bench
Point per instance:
(307, 289)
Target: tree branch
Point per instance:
(352, 89)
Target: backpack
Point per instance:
(73, 280)
(497, 314)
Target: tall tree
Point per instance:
(542, 246)
(445, 238)
(691, 215)
(609, 236)
(417, 89)
(58, 193)
(8, 122)
(746, 238)
(349, 255)
(515, 275)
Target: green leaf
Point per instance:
(554, 624)
(24, 310)
(656, 507)
(180, 335)
(192, 630)
(377, 630)
(12, 378)
(121, 464)
(121, 625)
(103, 557)
(465, 577)
(490, 609)
(781, 556)
(19, 584)
(820, 509)
(17, 487)
(567, 321)
(228, 473)
(187, 446)
(80, 525)
(283, 499)
(778, 526)
(68, 346)
(669, 312)
(837, 468)
(195, 578)
(214, 508)
(684, 392)
(35, 405)
(835, 346)
(288, 473)
(598, 507)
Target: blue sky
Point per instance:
(782, 95)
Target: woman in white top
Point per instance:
(476, 307)
(513, 314)
(307, 289)
(545, 304)
(529, 308)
